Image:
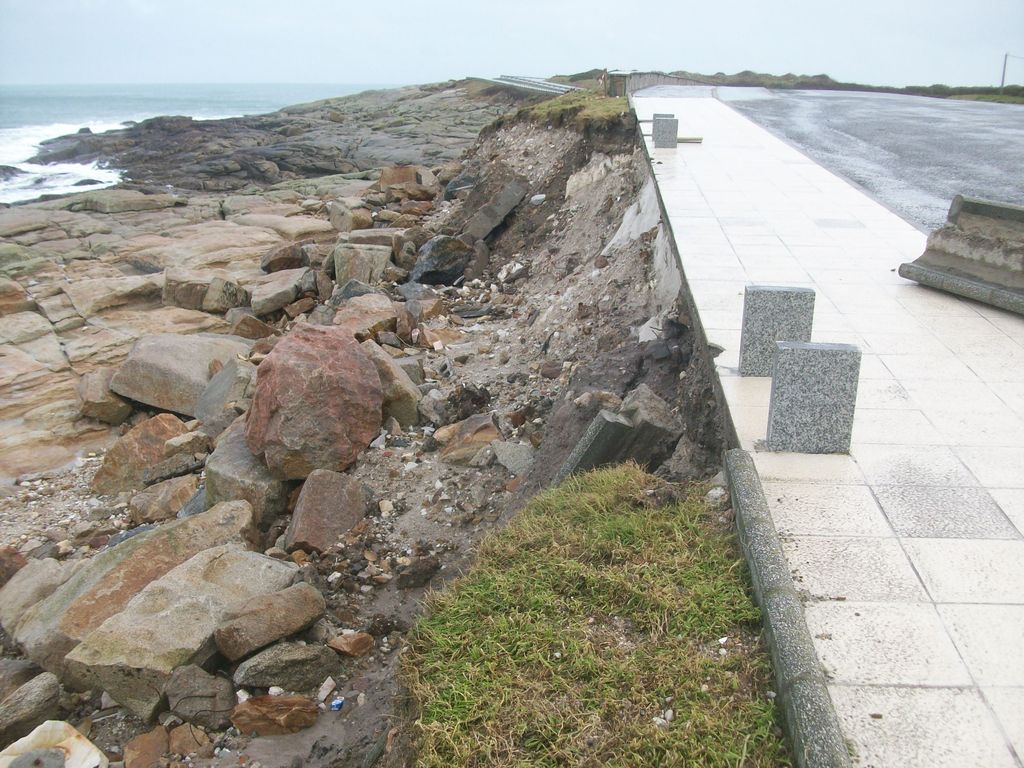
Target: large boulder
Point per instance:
(365, 263)
(277, 290)
(232, 472)
(364, 316)
(317, 403)
(442, 260)
(198, 697)
(30, 705)
(291, 666)
(224, 294)
(329, 504)
(163, 500)
(126, 462)
(401, 395)
(30, 585)
(286, 256)
(185, 288)
(490, 216)
(170, 623)
(226, 396)
(170, 372)
(98, 402)
(105, 585)
(393, 237)
(269, 618)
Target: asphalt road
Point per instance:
(910, 152)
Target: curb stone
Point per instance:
(810, 719)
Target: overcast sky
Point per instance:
(892, 42)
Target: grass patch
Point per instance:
(594, 611)
(583, 108)
(1004, 99)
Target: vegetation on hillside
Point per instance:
(606, 625)
(1012, 94)
(584, 109)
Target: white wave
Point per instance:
(56, 179)
(18, 145)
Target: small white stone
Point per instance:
(326, 688)
(275, 690)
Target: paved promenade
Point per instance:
(909, 551)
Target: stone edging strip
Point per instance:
(810, 720)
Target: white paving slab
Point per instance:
(909, 551)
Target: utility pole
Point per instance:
(1002, 81)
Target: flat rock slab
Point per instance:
(103, 587)
(170, 372)
(171, 623)
(122, 200)
(89, 297)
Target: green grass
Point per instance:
(575, 625)
(1004, 99)
(580, 107)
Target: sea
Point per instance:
(30, 114)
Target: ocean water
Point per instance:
(30, 114)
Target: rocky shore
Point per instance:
(248, 430)
(416, 125)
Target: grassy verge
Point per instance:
(594, 612)
(580, 107)
(1001, 99)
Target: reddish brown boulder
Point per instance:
(317, 403)
(274, 715)
(329, 504)
(128, 459)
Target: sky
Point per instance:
(884, 42)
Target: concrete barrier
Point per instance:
(978, 254)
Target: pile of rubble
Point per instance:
(282, 492)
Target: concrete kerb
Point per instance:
(811, 722)
(809, 717)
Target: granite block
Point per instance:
(814, 392)
(601, 444)
(666, 133)
(772, 313)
